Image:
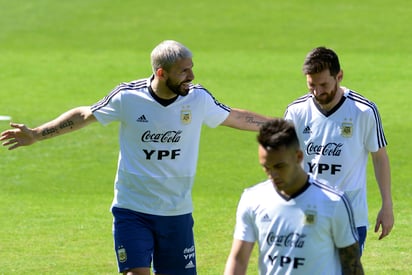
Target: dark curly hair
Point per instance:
(320, 59)
(276, 133)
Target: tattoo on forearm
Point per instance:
(55, 130)
(49, 131)
(350, 260)
(251, 120)
(65, 124)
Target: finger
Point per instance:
(16, 125)
(7, 143)
(5, 134)
(383, 234)
(386, 230)
(8, 136)
(13, 146)
(12, 142)
(377, 225)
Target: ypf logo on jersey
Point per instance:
(186, 115)
(346, 130)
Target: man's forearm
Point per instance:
(69, 121)
(350, 260)
(245, 120)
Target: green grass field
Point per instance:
(55, 55)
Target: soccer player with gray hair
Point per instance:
(160, 123)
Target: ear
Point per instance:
(339, 76)
(299, 156)
(161, 73)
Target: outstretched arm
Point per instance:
(385, 218)
(245, 120)
(350, 260)
(69, 121)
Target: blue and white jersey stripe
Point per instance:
(344, 199)
(379, 129)
(134, 85)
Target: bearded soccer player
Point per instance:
(338, 128)
(160, 123)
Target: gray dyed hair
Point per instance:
(167, 53)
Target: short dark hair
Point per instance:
(277, 133)
(320, 59)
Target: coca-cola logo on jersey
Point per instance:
(288, 240)
(329, 149)
(166, 137)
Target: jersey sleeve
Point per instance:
(244, 228)
(375, 137)
(108, 109)
(215, 112)
(343, 224)
(288, 115)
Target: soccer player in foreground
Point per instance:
(301, 225)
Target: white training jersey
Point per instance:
(300, 235)
(158, 145)
(337, 144)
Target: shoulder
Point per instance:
(299, 107)
(198, 91)
(134, 85)
(123, 88)
(301, 100)
(198, 87)
(325, 190)
(331, 197)
(258, 189)
(361, 102)
(253, 197)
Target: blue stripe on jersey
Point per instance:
(345, 201)
(198, 86)
(379, 129)
(360, 99)
(301, 99)
(134, 85)
(297, 101)
(142, 83)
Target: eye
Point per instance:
(280, 166)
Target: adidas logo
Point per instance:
(190, 265)
(142, 118)
(307, 130)
(266, 218)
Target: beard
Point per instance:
(325, 99)
(181, 88)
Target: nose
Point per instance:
(271, 173)
(191, 75)
(316, 90)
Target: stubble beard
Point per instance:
(178, 88)
(329, 97)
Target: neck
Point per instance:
(329, 106)
(300, 185)
(161, 90)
